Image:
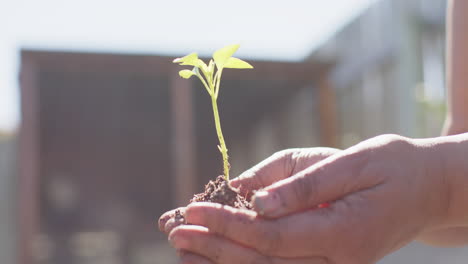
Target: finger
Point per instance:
(166, 216)
(283, 237)
(168, 220)
(325, 181)
(279, 166)
(200, 241)
(171, 224)
(190, 258)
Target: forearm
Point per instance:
(451, 153)
(456, 121)
(456, 148)
(457, 67)
(454, 126)
(451, 128)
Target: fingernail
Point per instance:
(264, 202)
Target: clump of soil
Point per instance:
(217, 191)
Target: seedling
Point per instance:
(210, 76)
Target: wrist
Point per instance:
(448, 162)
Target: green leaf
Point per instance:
(211, 66)
(186, 74)
(202, 66)
(191, 59)
(221, 56)
(235, 63)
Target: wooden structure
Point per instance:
(110, 141)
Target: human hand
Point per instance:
(279, 166)
(385, 192)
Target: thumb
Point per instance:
(280, 165)
(325, 181)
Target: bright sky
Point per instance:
(266, 29)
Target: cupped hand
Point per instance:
(279, 166)
(384, 192)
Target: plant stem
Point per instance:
(204, 84)
(222, 144)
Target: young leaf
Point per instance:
(222, 55)
(211, 66)
(191, 59)
(202, 66)
(235, 63)
(186, 74)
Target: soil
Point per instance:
(217, 191)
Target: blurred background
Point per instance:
(99, 135)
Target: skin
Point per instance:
(384, 192)
(271, 170)
(457, 67)
(456, 121)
